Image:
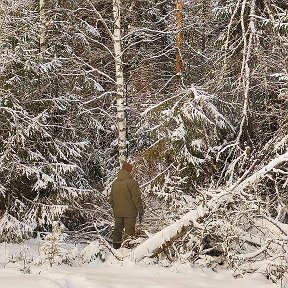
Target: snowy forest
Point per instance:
(193, 93)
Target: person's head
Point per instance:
(126, 166)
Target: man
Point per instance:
(126, 202)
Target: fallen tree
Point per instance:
(164, 238)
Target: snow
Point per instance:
(19, 269)
(127, 275)
(262, 172)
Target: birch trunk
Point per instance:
(121, 103)
(179, 36)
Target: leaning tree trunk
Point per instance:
(164, 238)
(121, 103)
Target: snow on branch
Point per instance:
(169, 234)
(282, 143)
(2, 190)
(11, 227)
(260, 173)
(253, 254)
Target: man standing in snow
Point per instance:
(126, 202)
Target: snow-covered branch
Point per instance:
(260, 174)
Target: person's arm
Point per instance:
(136, 196)
(111, 198)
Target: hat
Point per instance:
(126, 166)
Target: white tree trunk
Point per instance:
(165, 237)
(247, 51)
(121, 103)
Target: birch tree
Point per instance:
(121, 102)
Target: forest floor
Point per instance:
(127, 276)
(116, 274)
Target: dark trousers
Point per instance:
(126, 223)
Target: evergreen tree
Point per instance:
(52, 126)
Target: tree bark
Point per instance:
(246, 70)
(179, 36)
(42, 34)
(121, 101)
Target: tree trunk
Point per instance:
(247, 54)
(121, 103)
(179, 36)
(42, 34)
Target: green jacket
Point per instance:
(125, 196)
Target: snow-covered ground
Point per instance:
(20, 267)
(126, 276)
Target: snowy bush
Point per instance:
(93, 251)
(53, 248)
(12, 230)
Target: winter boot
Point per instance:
(116, 245)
